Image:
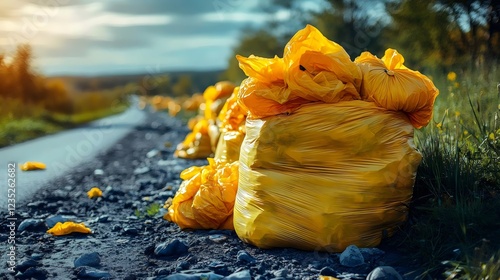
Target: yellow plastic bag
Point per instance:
(312, 69)
(391, 85)
(206, 197)
(202, 141)
(197, 143)
(268, 90)
(325, 177)
(318, 69)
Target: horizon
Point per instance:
(76, 37)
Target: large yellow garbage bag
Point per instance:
(393, 86)
(206, 197)
(325, 177)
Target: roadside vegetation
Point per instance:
(32, 105)
(454, 222)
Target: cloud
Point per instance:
(77, 36)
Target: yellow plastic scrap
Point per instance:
(393, 86)
(68, 228)
(32, 165)
(94, 193)
(205, 199)
(325, 177)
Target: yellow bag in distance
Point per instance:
(325, 177)
(393, 86)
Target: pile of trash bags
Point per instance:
(202, 140)
(205, 199)
(326, 154)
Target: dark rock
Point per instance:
(116, 228)
(219, 268)
(384, 273)
(217, 238)
(182, 265)
(281, 273)
(33, 273)
(141, 170)
(162, 271)
(26, 263)
(351, 257)
(371, 253)
(130, 277)
(36, 204)
(29, 224)
(91, 259)
(103, 218)
(37, 256)
(90, 272)
(195, 276)
(327, 271)
(244, 256)
(54, 219)
(175, 247)
(130, 231)
(150, 250)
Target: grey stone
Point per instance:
(29, 224)
(91, 259)
(370, 253)
(54, 219)
(175, 247)
(90, 272)
(141, 170)
(219, 268)
(351, 257)
(195, 276)
(26, 263)
(327, 271)
(240, 275)
(281, 273)
(98, 172)
(130, 231)
(152, 153)
(384, 273)
(244, 256)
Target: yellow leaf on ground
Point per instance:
(32, 165)
(94, 192)
(68, 228)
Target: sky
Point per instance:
(91, 37)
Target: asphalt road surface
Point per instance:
(63, 151)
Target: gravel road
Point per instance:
(126, 243)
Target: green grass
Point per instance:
(454, 212)
(16, 130)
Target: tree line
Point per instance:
(433, 35)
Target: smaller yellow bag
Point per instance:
(205, 199)
(393, 86)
